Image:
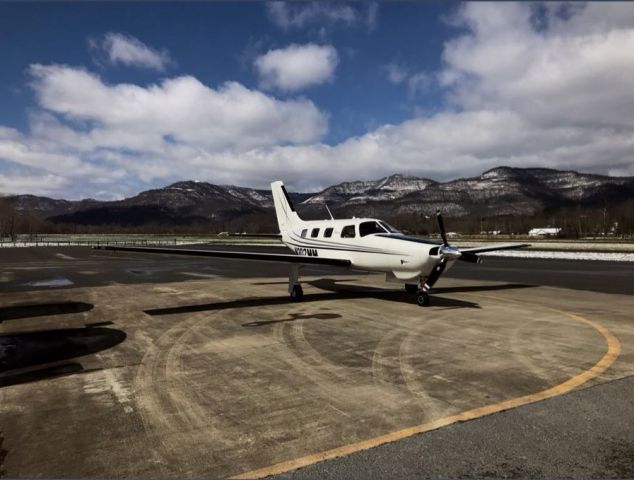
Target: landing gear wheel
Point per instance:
(297, 293)
(411, 287)
(422, 299)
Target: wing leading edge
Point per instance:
(493, 248)
(253, 256)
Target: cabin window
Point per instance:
(328, 232)
(368, 228)
(314, 233)
(348, 232)
(304, 233)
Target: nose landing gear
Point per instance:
(422, 299)
(422, 292)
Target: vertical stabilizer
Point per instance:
(287, 218)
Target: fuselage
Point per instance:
(370, 244)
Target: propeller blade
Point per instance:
(470, 257)
(441, 226)
(435, 275)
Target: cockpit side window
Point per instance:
(304, 233)
(314, 233)
(348, 232)
(368, 228)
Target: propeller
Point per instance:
(435, 274)
(441, 226)
(446, 252)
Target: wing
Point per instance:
(253, 256)
(492, 248)
(255, 235)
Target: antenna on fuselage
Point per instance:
(329, 212)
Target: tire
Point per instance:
(411, 287)
(297, 293)
(422, 299)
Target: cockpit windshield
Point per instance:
(389, 227)
(368, 228)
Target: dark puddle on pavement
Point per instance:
(19, 350)
(42, 309)
(139, 272)
(294, 317)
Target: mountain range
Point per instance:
(499, 191)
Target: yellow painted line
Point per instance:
(613, 351)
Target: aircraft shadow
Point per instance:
(335, 291)
(20, 350)
(15, 312)
(41, 374)
(482, 288)
(358, 291)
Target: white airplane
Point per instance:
(360, 243)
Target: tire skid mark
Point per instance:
(612, 352)
(432, 406)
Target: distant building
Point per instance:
(544, 232)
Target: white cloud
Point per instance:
(297, 66)
(289, 15)
(571, 73)
(131, 51)
(395, 73)
(231, 116)
(45, 184)
(417, 83)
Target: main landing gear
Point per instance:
(294, 288)
(297, 293)
(421, 290)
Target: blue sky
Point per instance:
(107, 99)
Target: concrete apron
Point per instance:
(222, 377)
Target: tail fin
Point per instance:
(287, 218)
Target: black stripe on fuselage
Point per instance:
(352, 250)
(315, 242)
(336, 246)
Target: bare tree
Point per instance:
(8, 220)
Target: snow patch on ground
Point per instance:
(51, 282)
